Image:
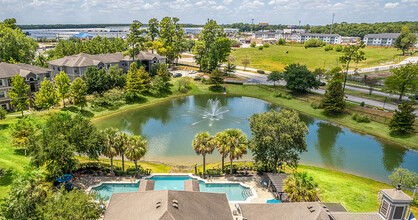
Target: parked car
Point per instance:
(192, 72)
(177, 75)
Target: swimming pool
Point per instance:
(234, 191)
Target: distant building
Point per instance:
(383, 39)
(198, 30)
(76, 65)
(268, 35)
(293, 31)
(33, 76)
(327, 38)
(350, 40)
(84, 36)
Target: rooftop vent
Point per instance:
(399, 186)
(158, 205)
(175, 204)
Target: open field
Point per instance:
(275, 57)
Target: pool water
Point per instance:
(234, 191)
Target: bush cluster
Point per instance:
(266, 45)
(328, 47)
(260, 48)
(282, 95)
(360, 118)
(338, 48)
(314, 43)
(112, 99)
(314, 105)
(261, 71)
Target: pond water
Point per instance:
(171, 126)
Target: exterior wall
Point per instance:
(34, 81)
(328, 40)
(379, 41)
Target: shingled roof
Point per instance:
(284, 211)
(167, 205)
(85, 60)
(9, 70)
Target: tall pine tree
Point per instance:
(403, 119)
(333, 101)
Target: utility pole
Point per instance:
(299, 24)
(332, 23)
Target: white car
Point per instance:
(192, 72)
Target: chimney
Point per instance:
(191, 185)
(146, 185)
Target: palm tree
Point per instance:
(121, 142)
(237, 145)
(222, 145)
(300, 187)
(110, 150)
(137, 147)
(203, 144)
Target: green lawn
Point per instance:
(357, 194)
(275, 57)
(12, 160)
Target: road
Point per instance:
(262, 79)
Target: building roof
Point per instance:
(267, 33)
(283, 211)
(191, 185)
(396, 195)
(9, 70)
(333, 207)
(319, 35)
(383, 35)
(277, 179)
(85, 60)
(356, 216)
(84, 35)
(146, 185)
(168, 204)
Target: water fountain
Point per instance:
(214, 110)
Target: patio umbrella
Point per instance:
(65, 178)
(274, 201)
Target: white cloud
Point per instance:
(219, 7)
(409, 1)
(227, 2)
(391, 5)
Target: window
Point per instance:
(4, 106)
(1, 82)
(398, 212)
(75, 70)
(384, 208)
(59, 69)
(48, 75)
(2, 95)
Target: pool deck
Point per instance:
(253, 181)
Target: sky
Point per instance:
(290, 12)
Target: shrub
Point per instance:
(360, 118)
(362, 104)
(234, 168)
(328, 47)
(3, 113)
(282, 95)
(266, 45)
(111, 99)
(314, 105)
(214, 172)
(260, 48)
(338, 48)
(261, 71)
(253, 44)
(314, 43)
(281, 41)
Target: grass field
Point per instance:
(275, 57)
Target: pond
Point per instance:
(171, 126)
